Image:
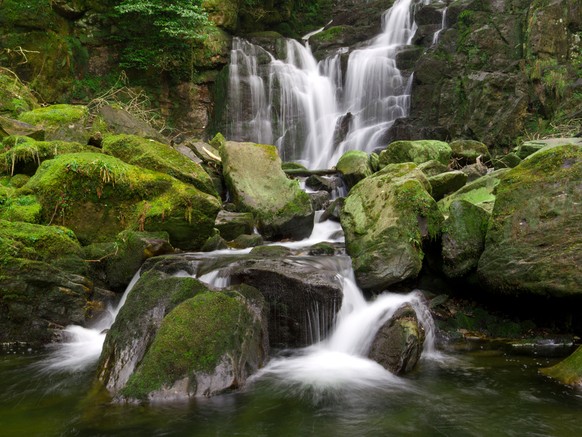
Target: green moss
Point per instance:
(159, 157)
(21, 209)
(332, 34)
(15, 97)
(415, 151)
(568, 371)
(193, 337)
(54, 115)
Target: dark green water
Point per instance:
(472, 394)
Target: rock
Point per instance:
(480, 192)
(43, 286)
(474, 171)
(302, 297)
(205, 346)
(257, 183)
(151, 299)
(233, 224)
(432, 168)
(385, 218)
(463, 238)
(322, 249)
(20, 208)
(510, 160)
(398, 344)
(534, 244)
(270, 251)
(323, 183)
(119, 121)
(223, 13)
(158, 157)
(445, 183)
(333, 211)
(568, 371)
(529, 147)
(467, 151)
(415, 151)
(319, 200)
(9, 126)
(244, 241)
(354, 166)
(98, 196)
(214, 242)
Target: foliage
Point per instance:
(160, 34)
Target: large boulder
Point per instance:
(385, 219)
(354, 166)
(415, 151)
(463, 238)
(98, 196)
(447, 182)
(43, 286)
(534, 240)
(398, 343)
(206, 345)
(257, 183)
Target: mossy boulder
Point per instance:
(528, 148)
(354, 166)
(432, 167)
(467, 151)
(567, 371)
(160, 157)
(480, 192)
(119, 121)
(99, 196)
(385, 218)
(15, 97)
(445, 183)
(20, 154)
(415, 151)
(257, 183)
(9, 126)
(154, 295)
(534, 240)
(510, 160)
(244, 241)
(24, 208)
(208, 344)
(233, 224)
(42, 282)
(63, 122)
(463, 239)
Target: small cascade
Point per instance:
(435, 38)
(302, 105)
(82, 346)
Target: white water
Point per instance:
(435, 37)
(296, 103)
(82, 346)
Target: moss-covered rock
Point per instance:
(354, 166)
(223, 13)
(568, 371)
(244, 241)
(534, 242)
(480, 192)
(432, 167)
(206, 345)
(99, 196)
(415, 151)
(233, 224)
(445, 183)
(15, 97)
(23, 154)
(257, 183)
(509, 160)
(154, 295)
(385, 219)
(20, 209)
(463, 238)
(160, 157)
(467, 151)
(9, 126)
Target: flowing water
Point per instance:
(313, 111)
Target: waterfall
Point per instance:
(435, 37)
(300, 104)
(82, 346)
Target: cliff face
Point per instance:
(499, 69)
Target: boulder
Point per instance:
(534, 241)
(232, 224)
(98, 196)
(415, 151)
(432, 168)
(354, 166)
(568, 371)
(445, 183)
(9, 126)
(257, 183)
(398, 343)
(206, 345)
(529, 147)
(154, 295)
(480, 192)
(159, 157)
(467, 151)
(385, 219)
(474, 171)
(15, 97)
(319, 200)
(244, 241)
(463, 239)
(119, 121)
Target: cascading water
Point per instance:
(436, 36)
(302, 106)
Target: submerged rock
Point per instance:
(385, 218)
(398, 344)
(534, 240)
(257, 183)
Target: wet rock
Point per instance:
(398, 344)
(354, 166)
(245, 241)
(319, 200)
(233, 224)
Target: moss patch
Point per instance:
(568, 371)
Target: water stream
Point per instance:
(312, 110)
